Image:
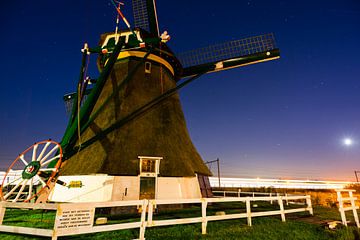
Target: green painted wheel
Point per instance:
(29, 174)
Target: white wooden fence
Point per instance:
(240, 193)
(78, 218)
(346, 201)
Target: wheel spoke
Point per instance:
(47, 169)
(50, 160)
(34, 152)
(30, 188)
(5, 185)
(42, 181)
(49, 153)
(13, 189)
(23, 159)
(21, 190)
(43, 151)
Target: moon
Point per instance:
(348, 141)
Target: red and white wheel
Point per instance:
(29, 174)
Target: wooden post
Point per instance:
(248, 211)
(2, 213)
(281, 204)
(271, 201)
(203, 215)
(150, 213)
(143, 219)
(218, 167)
(357, 179)
(239, 191)
(341, 207)
(353, 205)
(309, 205)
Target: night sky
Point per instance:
(284, 118)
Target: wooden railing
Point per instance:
(345, 201)
(78, 218)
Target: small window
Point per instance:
(149, 166)
(147, 67)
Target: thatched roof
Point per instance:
(159, 132)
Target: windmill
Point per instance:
(127, 135)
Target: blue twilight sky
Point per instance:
(284, 118)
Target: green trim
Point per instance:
(70, 133)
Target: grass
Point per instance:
(298, 226)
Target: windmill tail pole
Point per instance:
(92, 98)
(82, 71)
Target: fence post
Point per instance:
(309, 205)
(286, 199)
(341, 207)
(353, 205)
(248, 211)
(271, 201)
(281, 204)
(239, 191)
(143, 219)
(150, 213)
(2, 213)
(203, 215)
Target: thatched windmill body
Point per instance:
(127, 137)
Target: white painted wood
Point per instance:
(143, 219)
(2, 213)
(226, 217)
(282, 212)
(354, 207)
(248, 211)
(309, 205)
(341, 208)
(47, 206)
(147, 207)
(203, 216)
(26, 230)
(267, 213)
(158, 223)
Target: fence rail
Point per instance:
(78, 218)
(345, 201)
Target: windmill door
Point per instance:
(147, 187)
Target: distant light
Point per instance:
(348, 141)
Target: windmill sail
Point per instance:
(229, 55)
(145, 16)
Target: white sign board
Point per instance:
(73, 219)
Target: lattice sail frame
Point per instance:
(228, 50)
(141, 17)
